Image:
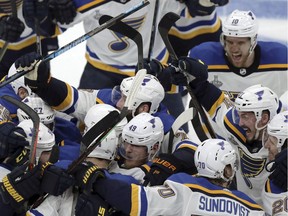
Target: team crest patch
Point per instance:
(250, 167)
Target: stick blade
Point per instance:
(168, 21)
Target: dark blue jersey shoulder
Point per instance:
(66, 130)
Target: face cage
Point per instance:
(116, 94)
(122, 151)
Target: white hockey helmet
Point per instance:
(16, 84)
(241, 24)
(107, 148)
(150, 91)
(99, 111)
(46, 138)
(212, 156)
(143, 130)
(278, 127)
(45, 112)
(257, 98)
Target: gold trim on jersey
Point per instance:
(67, 101)
(108, 68)
(195, 33)
(134, 199)
(216, 104)
(235, 130)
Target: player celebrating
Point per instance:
(240, 61)
(183, 194)
(274, 193)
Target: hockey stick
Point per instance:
(36, 122)
(80, 39)
(124, 112)
(14, 14)
(164, 26)
(183, 118)
(153, 30)
(129, 32)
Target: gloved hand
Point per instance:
(39, 72)
(20, 157)
(63, 11)
(20, 185)
(162, 167)
(11, 28)
(153, 67)
(203, 7)
(219, 2)
(86, 174)
(35, 10)
(55, 180)
(4, 114)
(91, 204)
(279, 169)
(12, 138)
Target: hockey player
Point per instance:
(64, 204)
(63, 128)
(21, 39)
(204, 194)
(110, 56)
(141, 141)
(15, 193)
(63, 97)
(16, 89)
(274, 194)
(240, 61)
(243, 125)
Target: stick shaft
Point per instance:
(80, 39)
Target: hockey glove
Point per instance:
(11, 28)
(162, 167)
(279, 168)
(20, 157)
(91, 204)
(86, 174)
(12, 138)
(20, 185)
(63, 11)
(193, 68)
(55, 181)
(38, 75)
(35, 9)
(200, 7)
(153, 67)
(4, 114)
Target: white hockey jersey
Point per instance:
(270, 68)
(274, 200)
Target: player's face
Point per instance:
(134, 155)
(22, 92)
(45, 155)
(120, 103)
(237, 50)
(270, 143)
(247, 121)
